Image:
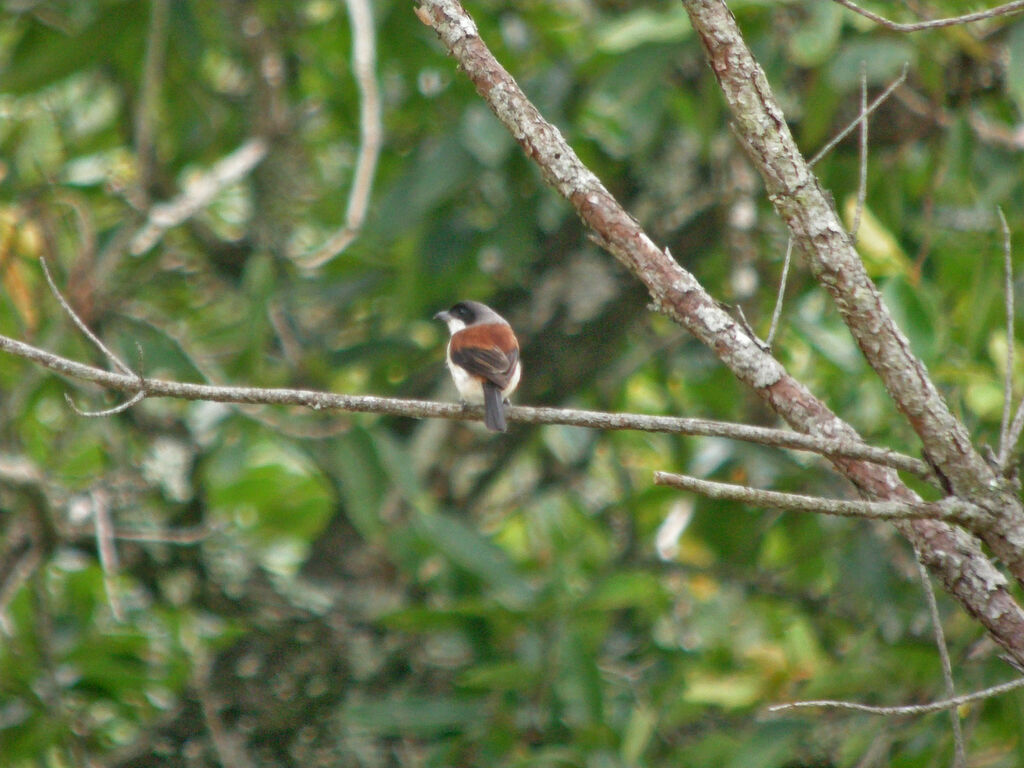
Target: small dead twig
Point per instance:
(862, 166)
(909, 709)
(100, 506)
(777, 312)
(861, 117)
(947, 667)
(1000, 10)
(950, 509)
(114, 359)
(1006, 440)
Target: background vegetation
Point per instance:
(321, 589)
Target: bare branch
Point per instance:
(949, 509)
(118, 363)
(777, 312)
(136, 398)
(861, 117)
(910, 709)
(100, 504)
(364, 57)
(832, 447)
(947, 668)
(79, 323)
(1000, 10)
(1005, 443)
(178, 536)
(199, 194)
(862, 166)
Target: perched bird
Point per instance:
(483, 356)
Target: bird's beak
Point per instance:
(442, 316)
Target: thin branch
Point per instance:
(1005, 442)
(1000, 10)
(778, 438)
(79, 323)
(199, 193)
(950, 509)
(136, 398)
(862, 166)
(910, 709)
(364, 58)
(861, 117)
(777, 312)
(118, 363)
(100, 504)
(177, 536)
(947, 667)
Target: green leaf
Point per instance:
(643, 26)
(627, 589)
(882, 59)
(815, 39)
(45, 55)
(467, 548)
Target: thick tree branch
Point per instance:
(821, 238)
(949, 509)
(953, 555)
(777, 438)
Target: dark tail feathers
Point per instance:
(494, 411)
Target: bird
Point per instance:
(483, 357)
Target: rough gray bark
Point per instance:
(829, 252)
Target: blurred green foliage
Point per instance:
(314, 589)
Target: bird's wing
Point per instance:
(491, 362)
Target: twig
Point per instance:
(1000, 10)
(861, 117)
(777, 438)
(364, 58)
(177, 536)
(910, 709)
(950, 509)
(118, 363)
(199, 194)
(777, 312)
(947, 668)
(137, 397)
(1005, 444)
(862, 167)
(107, 551)
(79, 323)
